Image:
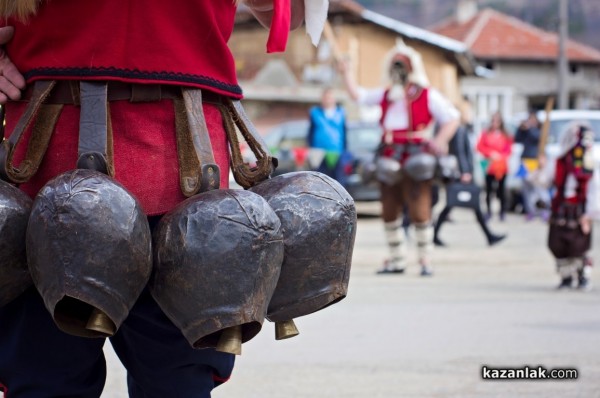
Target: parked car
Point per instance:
(288, 142)
(560, 120)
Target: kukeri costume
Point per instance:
(123, 119)
(576, 196)
(406, 167)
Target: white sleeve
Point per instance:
(440, 108)
(370, 96)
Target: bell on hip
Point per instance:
(421, 166)
(388, 170)
(15, 207)
(285, 330)
(89, 251)
(318, 220)
(217, 258)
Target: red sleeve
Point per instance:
(482, 145)
(560, 176)
(507, 147)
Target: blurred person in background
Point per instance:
(536, 191)
(461, 147)
(410, 109)
(495, 145)
(576, 202)
(536, 196)
(327, 132)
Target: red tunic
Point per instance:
(565, 165)
(174, 42)
(419, 117)
(180, 42)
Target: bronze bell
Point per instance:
(217, 259)
(318, 219)
(15, 207)
(89, 251)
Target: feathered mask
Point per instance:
(411, 58)
(577, 143)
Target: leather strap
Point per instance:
(95, 130)
(198, 171)
(67, 92)
(247, 176)
(44, 119)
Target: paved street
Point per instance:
(408, 336)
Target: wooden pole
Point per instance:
(545, 128)
(563, 72)
(331, 39)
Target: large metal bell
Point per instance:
(318, 219)
(15, 207)
(89, 251)
(217, 258)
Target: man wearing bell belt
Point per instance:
(409, 110)
(145, 50)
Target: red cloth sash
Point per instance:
(280, 26)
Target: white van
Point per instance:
(560, 120)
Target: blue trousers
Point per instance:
(37, 360)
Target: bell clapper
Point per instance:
(231, 340)
(285, 330)
(100, 322)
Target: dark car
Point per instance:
(287, 141)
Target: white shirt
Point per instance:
(396, 117)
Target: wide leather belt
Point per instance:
(67, 92)
(46, 99)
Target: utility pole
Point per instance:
(563, 73)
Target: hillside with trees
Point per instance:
(584, 15)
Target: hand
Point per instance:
(11, 80)
(586, 224)
(438, 146)
(466, 178)
(342, 66)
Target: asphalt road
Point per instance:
(409, 336)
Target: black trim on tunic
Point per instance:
(134, 74)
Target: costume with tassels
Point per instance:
(407, 157)
(124, 134)
(574, 205)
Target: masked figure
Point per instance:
(574, 204)
(407, 156)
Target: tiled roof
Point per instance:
(493, 35)
(461, 53)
